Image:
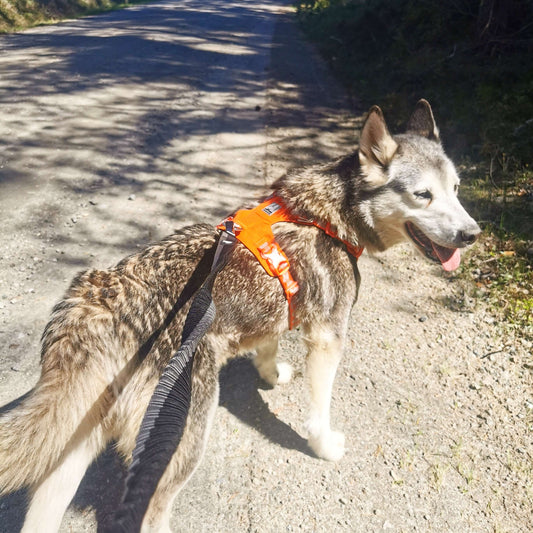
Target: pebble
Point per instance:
(395, 477)
(423, 318)
(131, 197)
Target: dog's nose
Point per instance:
(468, 237)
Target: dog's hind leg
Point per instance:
(265, 362)
(204, 401)
(325, 347)
(51, 497)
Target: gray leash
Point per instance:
(164, 421)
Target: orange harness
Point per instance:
(253, 228)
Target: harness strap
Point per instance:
(253, 228)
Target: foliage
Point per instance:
(20, 14)
(472, 60)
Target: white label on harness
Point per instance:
(271, 208)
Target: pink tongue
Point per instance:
(449, 257)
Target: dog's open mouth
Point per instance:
(448, 257)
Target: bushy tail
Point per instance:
(35, 434)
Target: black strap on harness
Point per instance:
(164, 421)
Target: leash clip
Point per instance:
(226, 242)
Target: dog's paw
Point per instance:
(284, 373)
(274, 373)
(328, 446)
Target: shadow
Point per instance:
(11, 405)
(239, 382)
(13, 506)
(323, 123)
(166, 101)
(102, 487)
(13, 509)
(156, 99)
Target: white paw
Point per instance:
(329, 445)
(284, 372)
(274, 373)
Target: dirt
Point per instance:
(114, 130)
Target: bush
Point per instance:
(472, 60)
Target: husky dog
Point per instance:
(114, 332)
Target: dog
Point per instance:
(112, 335)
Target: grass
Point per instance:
(480, 84)
(16, 15)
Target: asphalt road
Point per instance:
(116, 129)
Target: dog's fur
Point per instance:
(111, 336)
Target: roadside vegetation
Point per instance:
(17, 15)
(472, 60)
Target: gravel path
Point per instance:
(116, 129)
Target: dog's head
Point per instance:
(411, 187)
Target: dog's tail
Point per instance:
(42, 429)
(32, 437)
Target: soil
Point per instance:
(116, 129)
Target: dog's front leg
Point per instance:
(325, 347)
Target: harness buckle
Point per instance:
(275, 257)
(290, 285)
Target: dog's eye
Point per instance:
(456, 188)
(424, 195)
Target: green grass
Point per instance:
(16, 15)
(480, 84)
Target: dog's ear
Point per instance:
(376, 149)
(422, 122)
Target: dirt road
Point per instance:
(116, 129)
